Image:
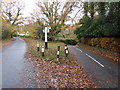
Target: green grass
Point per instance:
(51, 52)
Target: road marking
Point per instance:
(95, 60)
(79, 49)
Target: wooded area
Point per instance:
(101, 19)
(98, 19)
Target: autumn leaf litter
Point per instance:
(53, 75)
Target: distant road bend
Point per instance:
(99, 68)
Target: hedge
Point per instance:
(112, 44)
(68, 41)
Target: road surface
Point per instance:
(99, 68)
(13, 64)
(0, 69)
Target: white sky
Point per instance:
(29, 7)
(30, 4)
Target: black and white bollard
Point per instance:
(65, 49)
(38, 48)
(58, 53)
(67, 52)
(43, 51)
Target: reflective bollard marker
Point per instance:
(38, 48)
(67, 52)
(65, 49)
(58, 53)
(43, 51)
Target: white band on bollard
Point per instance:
(37, 45)
(42, 49)
(65, 47)
(58, 52)
(66, 51)
(57, 59)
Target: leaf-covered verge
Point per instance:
(50, 74)
(5, 43)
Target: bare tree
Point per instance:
(12, 11)
(55, 14)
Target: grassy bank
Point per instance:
(50, 53)
(50, 73)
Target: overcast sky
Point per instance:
(30, 7)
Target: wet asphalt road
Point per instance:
(99, 68)
(13, 64)
(0, 69)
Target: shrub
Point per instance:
(115, 45)
(89, 42)
(112, 44)
(27, 36)
(95, 42)
(70, 41)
